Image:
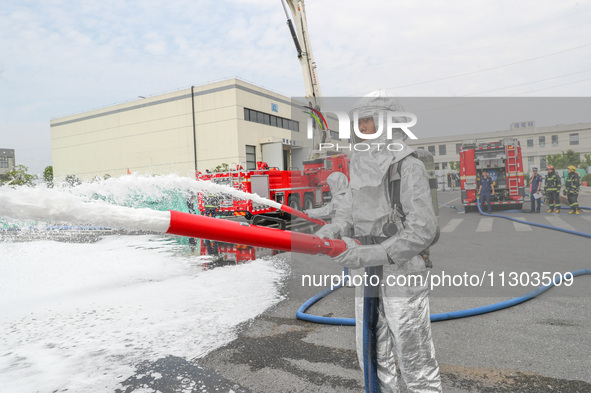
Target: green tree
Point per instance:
(222, 168)
(562, 161)
(586, 162)
(454, 166)
(72, 180)
(20, 176)
(48, 176)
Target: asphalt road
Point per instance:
(543, 345)
(538, 345)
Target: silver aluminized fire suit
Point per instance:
(338, 183)
(404, 328)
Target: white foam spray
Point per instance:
(57, 207)
(86, 203)
(122, 187)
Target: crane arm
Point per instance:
(304, 49)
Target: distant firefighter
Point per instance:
(572, 184)
(552, 190)
(338, 183)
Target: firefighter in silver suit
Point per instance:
(337, 182)
(403, 327)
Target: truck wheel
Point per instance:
(293, 201)
(308, 202)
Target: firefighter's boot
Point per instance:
(557, 210)
(577, 212)
(572, 211)
(551, 210)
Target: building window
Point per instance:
(574, 139)
(444, 165)
(270, 120)
(421, 147)
(334, 135)
(542, 141)
(431, 149)
(442, 150)
(554, 140)
(3, 162)
(251, 157)
(530, 162)
(530, 142)
(542, 162)
(458, 146)
(436, 165)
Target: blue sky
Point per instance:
(64, 57)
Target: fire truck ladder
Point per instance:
(238, 170)
(512, 169)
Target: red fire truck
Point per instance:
(223, 254)
(502, 160)
(298, 189)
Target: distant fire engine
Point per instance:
(300, 190)
(502, 160)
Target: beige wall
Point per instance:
(155, 135)
(215, 120)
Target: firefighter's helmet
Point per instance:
(550, 167)
(572, 168)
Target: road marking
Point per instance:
(519, 227)
(485, 225)
(559, 222)
(451, 225)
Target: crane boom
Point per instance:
(303, 46)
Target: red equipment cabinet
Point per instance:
(300, 190)
(502, 159)
(228, 251)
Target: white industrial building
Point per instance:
(193, 129)
(536, 142)
(7, 162)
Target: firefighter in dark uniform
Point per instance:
(572, 184)
(191, 208)
(191, 201)
(535, 185)
(210, 204)
(486, 189)
(552, 190)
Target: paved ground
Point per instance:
(543, 345)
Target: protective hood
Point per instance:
(338, 183)
(372, 158)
